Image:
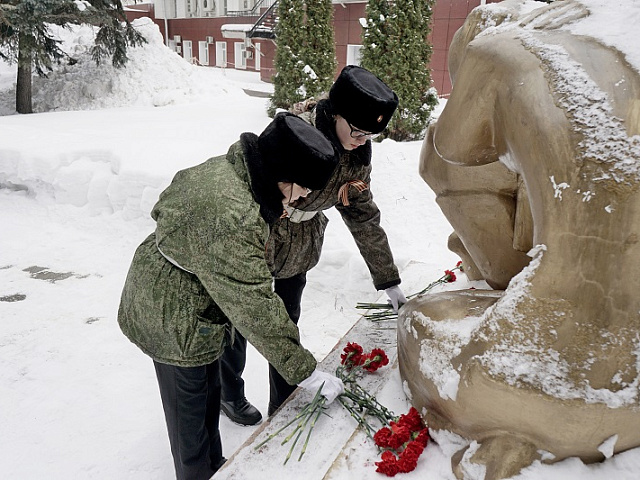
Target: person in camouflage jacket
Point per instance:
(359, 107)
(201, 276)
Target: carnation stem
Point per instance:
(313, 423)
(385, 310)
(307, 410)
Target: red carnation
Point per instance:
(423, 437)
(388, 465)
(412, 420)
(381, 437)
(407, 464)
(388, 456)
(459, 265)
(401, 435)
(449, 276)
(413, 448)
(352, 355)
(374, 360)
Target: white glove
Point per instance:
(332, 387)
(396, 297)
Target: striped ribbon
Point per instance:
(343, 193)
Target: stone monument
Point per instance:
(535, 161)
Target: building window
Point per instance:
(240, 54)
(221, 54)
(203, 53)
(187, 53)
(354, 54)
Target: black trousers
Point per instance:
(234, 358)
(191, 403)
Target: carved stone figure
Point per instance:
(535, 161)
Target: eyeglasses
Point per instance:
(355, 133)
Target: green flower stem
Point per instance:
(307, 417)
(358, 418)
(361, 405)
(313, 424)
(385, 310)
(304, 412)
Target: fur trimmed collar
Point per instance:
(326, 124)
(265, 189)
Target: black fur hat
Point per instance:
(362, 99)
(295, 151)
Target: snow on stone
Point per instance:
(607, 447)
(605, 140)
(611, 27)
(470, 469)
(436, 352)
(558, 187)
(523, 363)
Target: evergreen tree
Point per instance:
(305, 57)
(25, 36)
(320, 50)
(395, 48)
(288, 62)
(377, 33)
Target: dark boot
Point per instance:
(241, 412)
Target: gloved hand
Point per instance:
(396, 297)
(332, 387)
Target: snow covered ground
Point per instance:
(77, 182)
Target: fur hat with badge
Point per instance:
(362, 99)
(295, 151)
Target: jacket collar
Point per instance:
(264, 188)
(325, 122)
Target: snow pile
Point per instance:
(154, 76)
(58, 165)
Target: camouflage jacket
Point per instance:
(295, 248)
(203, 270)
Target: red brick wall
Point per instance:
(347, 29)
(448, 16)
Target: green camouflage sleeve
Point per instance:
(362, 218)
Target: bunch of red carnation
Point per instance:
(403, 442)
(354, 356)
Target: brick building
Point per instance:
(239, 33)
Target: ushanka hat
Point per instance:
(295, 151)
(362, 99)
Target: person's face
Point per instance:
(350, 137)
(292, 192)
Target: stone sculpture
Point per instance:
(535, 161)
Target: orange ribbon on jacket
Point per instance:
(343, 193)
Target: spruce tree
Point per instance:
(305, 56)
(25, 37)
(377, 33)
(320, 50)
(288, 62)
(395, 48)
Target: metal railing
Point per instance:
(255, 11)
(260, 28)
